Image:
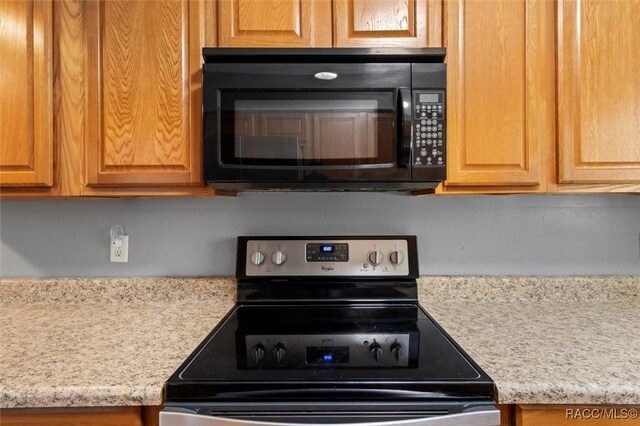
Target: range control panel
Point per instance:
(327, 257)
(338, 350)
(429, 128)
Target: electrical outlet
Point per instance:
(120, 250)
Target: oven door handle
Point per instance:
(474, 418)
(404, 127)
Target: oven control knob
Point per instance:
(279, 352)
(279, 257)
(376, 350)
(257, 353)
(257, 257)
(397, 351)
(376, 257)
(396, 257)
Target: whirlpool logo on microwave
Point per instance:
(326, 268)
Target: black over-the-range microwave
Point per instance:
(324, 119)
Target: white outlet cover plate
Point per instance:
(120, 254)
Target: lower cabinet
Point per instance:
(90, 416)
(511, 415)
(86, 416)
(567, 415)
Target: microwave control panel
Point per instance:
(429, 128)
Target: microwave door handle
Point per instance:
(404, 127)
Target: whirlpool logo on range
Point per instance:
(326, 268)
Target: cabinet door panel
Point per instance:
(94, 416)
(143, 101)
(275, 23)
(599, 91)
(26, 85)
(378, 23)
(500, 92)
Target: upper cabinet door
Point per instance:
(599, 91)
(143, 101)
(275, 23)
(387, 23)
(500, 57)
(26, 92)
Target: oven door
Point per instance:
(487, 415)
(305, 122)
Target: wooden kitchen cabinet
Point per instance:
(127, 103)
(500, 94)
(275, 23)
(309, 23)
(588, 415)
(144, 101)
(103, 98)
(26, 87)
(387, 23)
(93, 416)
(503, 62)
(599, 94)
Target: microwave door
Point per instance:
(315, 131)
(279, 122)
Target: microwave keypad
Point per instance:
(429, 129)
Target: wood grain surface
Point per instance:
(275, 23)
(599, 91)
(143, 80)
(70, 106)
(26, 87)
(565, 415)
(95, 416)
(387, 23)
(500, 93)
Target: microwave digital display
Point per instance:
(429, 97)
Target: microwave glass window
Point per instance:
(312, 129)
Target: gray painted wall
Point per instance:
(550, 235)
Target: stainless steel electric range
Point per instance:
(328, 330)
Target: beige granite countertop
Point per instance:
(101, 342)
(546, 340)
(114, 342)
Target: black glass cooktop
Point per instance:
(382, 351)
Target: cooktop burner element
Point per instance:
(325, 328)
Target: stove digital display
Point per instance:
(327, 355)
(327, 252)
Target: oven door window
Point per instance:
(308, 129)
